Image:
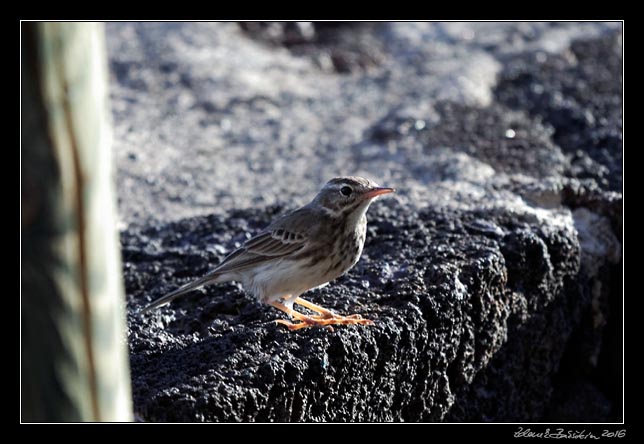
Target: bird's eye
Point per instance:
(346, 191)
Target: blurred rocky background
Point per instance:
(494, 273)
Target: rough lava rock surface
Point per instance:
(494, 274)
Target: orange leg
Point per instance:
(327, 317)
(326, 314)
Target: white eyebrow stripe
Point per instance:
(338, 185)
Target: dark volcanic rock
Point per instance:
(468, 304)
(579, 93)
(493, 274)
(333, 46)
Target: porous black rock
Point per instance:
(455, 301)
(578, 93)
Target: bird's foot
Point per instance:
(325, 321)
(325, 318)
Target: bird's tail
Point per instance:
(211, 277)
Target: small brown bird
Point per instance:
(302, 250)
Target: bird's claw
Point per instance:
(325, 321)
(332, 315)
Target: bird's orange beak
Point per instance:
(377, 192)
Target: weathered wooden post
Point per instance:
(74, 361)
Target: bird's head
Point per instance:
(349, 194)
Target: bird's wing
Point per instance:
(283, 237)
